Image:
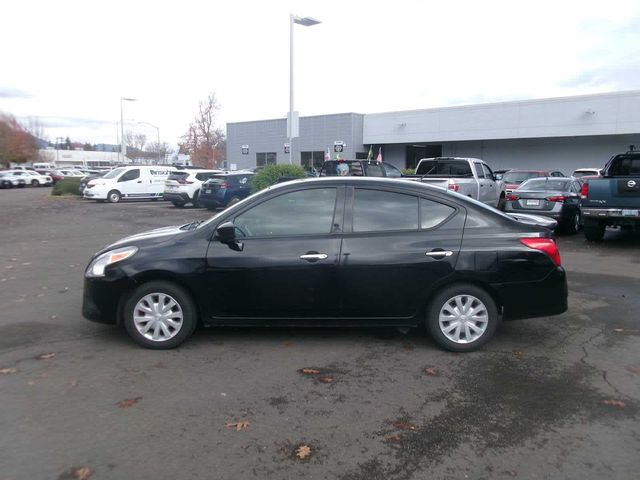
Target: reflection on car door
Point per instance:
(396, 247)
(288, 268)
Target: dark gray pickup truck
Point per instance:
(614, 198)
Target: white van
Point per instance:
(129, 182)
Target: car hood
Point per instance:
(150, 237)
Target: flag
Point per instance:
(379, 157)
(338, 156)
(370, 154)
(327, 156)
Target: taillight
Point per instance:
(512, 198)
(557, 198)
(584, 191)
(545, 245)
(184, 182)
(454, 187)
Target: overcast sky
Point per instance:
(69, 62)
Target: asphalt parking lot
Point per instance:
(546, 398)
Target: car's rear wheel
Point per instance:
(462, 318)
(160, 315)
(501, 203)
(594, 232)
(35, 183)
(573, 224)
(113, 196)
(196, 199)
(178, 204)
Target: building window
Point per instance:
(362, 155)
(310, 160)
(266, 158)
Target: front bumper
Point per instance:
(94, 194)
(102, 297)
(535, 299)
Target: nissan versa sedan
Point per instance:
(332, 251)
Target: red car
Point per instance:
(513, 178)
(54, 174)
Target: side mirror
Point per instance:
(226, 233)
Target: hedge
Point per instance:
(67, 186)
(270, 174)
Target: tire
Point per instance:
(573, 224)
(178, 204)
(113, 196)
(160, 293)
(481, 328)
(35, 183)
(196, 199)
(501, 203)
(154, 199)
(594, 232)
(233, 201)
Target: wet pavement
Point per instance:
(554, 397)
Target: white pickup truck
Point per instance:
(467, 176)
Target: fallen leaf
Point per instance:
(238, 425)
(73, 383)
(310, 371)
(52, 317)
(633, 369)
(128, 402)
(46, 356)
(159, 365)
(405, 426)
(392, 439)
(77, 473)
(7, 371)
(614, 403)
(618, 330)
(303, 452)
(431, 371)
(326, 379)
(519, 355)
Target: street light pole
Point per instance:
(307, 22)
(123, 144)
(158, 129)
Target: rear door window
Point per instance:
(373, 170)
(379, 211)
(391, 171)
(433, 213)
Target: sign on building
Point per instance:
(338, 146)
(245, 149)
(287, 147)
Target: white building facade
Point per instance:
(560, 133)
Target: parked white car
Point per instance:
(587, 172)
(67, 172)
(33, 178)
(9, 180)
(141, 182)
(183, 186)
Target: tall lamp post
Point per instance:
(158, 129)
(306, 22)
(123, 144)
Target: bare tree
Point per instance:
(163, 149)
(203, 139)
(139, 140)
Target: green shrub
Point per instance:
(67, 186)
(409, 171)
(270, 174)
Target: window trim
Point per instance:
(338, 212)
(350, 201)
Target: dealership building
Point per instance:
(556, 133)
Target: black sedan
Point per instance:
(332, 252)
(558, 198)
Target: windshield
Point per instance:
(545, 185)
(444, 167)
(115, 173)
(519, 177)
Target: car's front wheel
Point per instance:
(462, 318)
(35, 183)
(113, 196)
(160, 315)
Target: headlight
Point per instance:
(97, 266)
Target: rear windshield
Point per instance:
(583, 173)
(625, 165)
(519, 177)
(178, 175)
(545, 185)
(444, 167)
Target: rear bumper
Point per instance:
(176, 197)
(612, 213)
(212, 201)
(535, 299)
